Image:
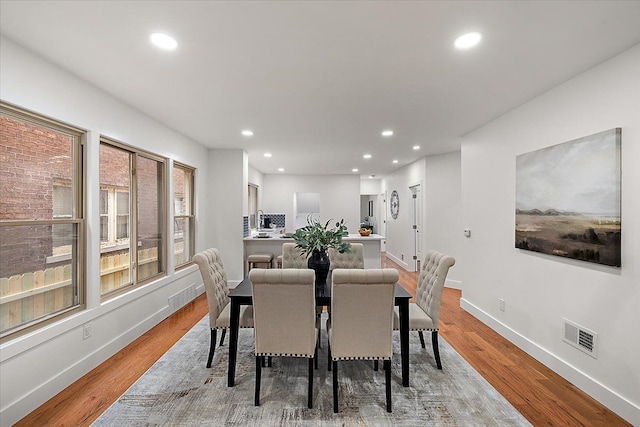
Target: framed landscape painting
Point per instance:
(568, 199)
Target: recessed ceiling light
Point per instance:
(280, 169)
(267, 154)
(395, 161)
(416, 147)
(371, 176)
(354, 170)
(366, 156)
(387, 132)
(163, 41)
(247, 132)
(468, 40)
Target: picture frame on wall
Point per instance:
(568, 199)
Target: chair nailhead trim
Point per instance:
(310, 356)
(360, 358)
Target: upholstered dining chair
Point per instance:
(361, 323)
(424, 313)
(216, 289)
(354, 259)
(284, 308)
(293, 257)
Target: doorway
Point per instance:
(416, 202)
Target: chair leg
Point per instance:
(259, 360)
(421, 339)
(224, 332)
(328, 358)
(375, 365)
(387, 377)
(335, 387)
(269, 360)
(436, 352)
(310, 392)
(212, 347)
(315, 357)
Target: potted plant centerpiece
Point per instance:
(315, 239)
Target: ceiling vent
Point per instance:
(580, 337)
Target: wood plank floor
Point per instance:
(542, 396)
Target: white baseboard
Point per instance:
(398, 261)
(453, 284)
(609, 398)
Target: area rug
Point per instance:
(179, 390)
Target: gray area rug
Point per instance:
(179, 390)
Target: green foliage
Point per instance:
(318, 237)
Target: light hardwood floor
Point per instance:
(542, 396)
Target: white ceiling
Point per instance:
(317, 81)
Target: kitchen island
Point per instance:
(272, 244)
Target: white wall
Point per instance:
(36, 366)
(369, 186)
(400, 245)
(540, 290)
(439, 177)
(442, 225)
(227, 193)
(339, 196)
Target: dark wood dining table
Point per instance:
(242, 295)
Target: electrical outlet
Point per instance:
(86, 331)
(501, 302)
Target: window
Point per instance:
(132, 217)
(114, 216)
(41, 220)
(183, 218)
(253, 206)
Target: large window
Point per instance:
(132, 217)
(41, 220)
(253, 206)
(183, 218)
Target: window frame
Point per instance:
(134, 283)
(189, 215)
(252, 206)
(77, 219)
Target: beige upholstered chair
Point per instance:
(215, 285)
(284, 308)
(355, 259)
(361, 322)
(424, 314)
(257, 260)
(293, 257)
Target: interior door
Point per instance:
(417, 225)
(382, 220)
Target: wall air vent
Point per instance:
(580, 337)
(179, 300)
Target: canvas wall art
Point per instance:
(568, 199)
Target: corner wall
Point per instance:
(540, 290)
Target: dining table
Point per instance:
(242, 295)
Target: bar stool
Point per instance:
(259, 259)
(279, 261)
